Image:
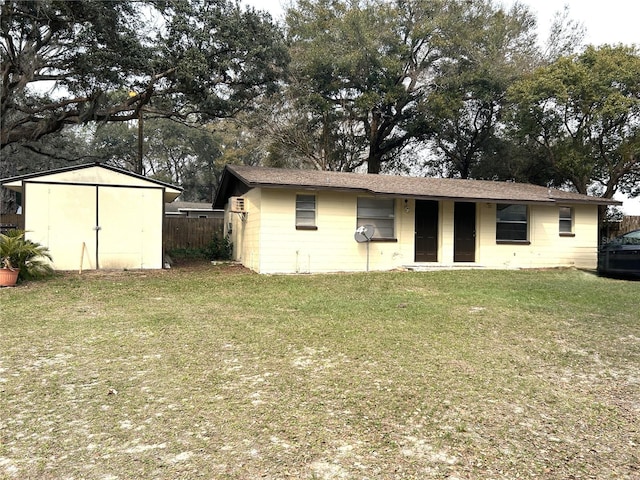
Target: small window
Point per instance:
(566, 220)
(512, 223)
(306, 212)
(380, 213)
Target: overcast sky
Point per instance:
(609, 21)
(606, 21)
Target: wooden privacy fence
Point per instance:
(628, 223)
(183, 232)
(9, 221)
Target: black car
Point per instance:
(621, 256)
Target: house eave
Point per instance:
(399, 187)
(472, 199)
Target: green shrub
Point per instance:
(188, 253)
(31, 258)
(220, 248)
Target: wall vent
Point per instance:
(236, 205)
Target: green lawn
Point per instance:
(217, 373)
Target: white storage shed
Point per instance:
(95, 216)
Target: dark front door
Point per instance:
(464, 232)
(426, 236)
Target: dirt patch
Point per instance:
(186, 265)
(179, 266)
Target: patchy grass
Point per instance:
(214, 372)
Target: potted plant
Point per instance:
(22, 259)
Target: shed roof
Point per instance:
(238, 179)
(92, 174)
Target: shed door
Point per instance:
(426, 234)
(464, 232)
(62, 217)
(130, 227)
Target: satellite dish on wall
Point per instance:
(364, 233)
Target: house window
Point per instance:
(378, 212)
(566, 220)
(306, 212)
(511, 223)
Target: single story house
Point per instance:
(95, 216)
(192, 210)
(306, 221)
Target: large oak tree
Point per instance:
(75, 62)
(361, 71)
(465, 110)
(372, 78)
(580, 116)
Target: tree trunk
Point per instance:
(374, 162)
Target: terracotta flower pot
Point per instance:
(8, 277)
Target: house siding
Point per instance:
(446, 233)
(246, 228)
(330, 248)
(546, 248)
(267, 241)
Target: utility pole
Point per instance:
(140, 141)
(138, 168)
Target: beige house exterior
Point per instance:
(95, 216)
(304, 221)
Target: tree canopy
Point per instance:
(581, 116)
(74, 62)
(370, 79)
(465, 111)
(362, 71)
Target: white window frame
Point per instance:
(306, 211)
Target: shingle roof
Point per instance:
(398, 186)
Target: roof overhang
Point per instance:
(236, 180)
(171, 192)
